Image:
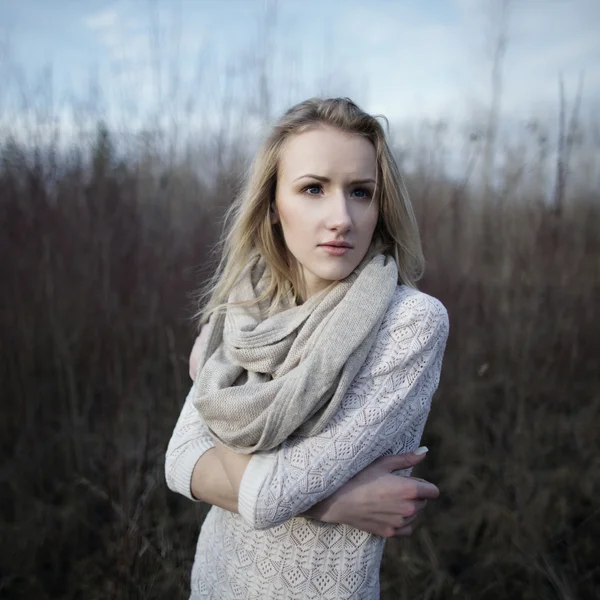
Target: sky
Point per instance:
(134, 60)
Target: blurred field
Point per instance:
(100, 260)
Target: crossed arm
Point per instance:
(375, 500)
(367, 495)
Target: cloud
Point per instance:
(119, 33)
(103, 20)
(414, 60)
(452, 57)
(136, 36)
(404, 59)
(145, 59)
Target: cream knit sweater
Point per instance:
(269, 552)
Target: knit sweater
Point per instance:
(268, 551)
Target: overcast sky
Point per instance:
(407, 59)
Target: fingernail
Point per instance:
(421, 450)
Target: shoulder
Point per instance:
(410, 306)
(415, 327)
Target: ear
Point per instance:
(274, 213)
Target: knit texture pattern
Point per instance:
(268, 551)
(268, 376)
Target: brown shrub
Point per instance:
(99, 264)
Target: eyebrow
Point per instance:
(327, 180)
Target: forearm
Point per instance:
(384, 415)
(233, 464)
(320, 511)
(211, 484)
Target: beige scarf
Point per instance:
(266, 377)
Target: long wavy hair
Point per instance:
(249, 231)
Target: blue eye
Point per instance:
(362, 193)
(316, 189)
(313, 187)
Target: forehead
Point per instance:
(327, 152)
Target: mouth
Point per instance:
(336, 244)
(336, 248)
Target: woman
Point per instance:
(319, 358)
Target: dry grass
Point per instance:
(99, 261)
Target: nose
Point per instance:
(338, 216)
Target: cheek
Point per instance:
(370, 220)
(293, 217)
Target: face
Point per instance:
(324, 203)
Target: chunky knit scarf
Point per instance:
(265, 376)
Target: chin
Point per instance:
(335, 273)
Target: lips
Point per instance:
(335, 249)
(336, 244)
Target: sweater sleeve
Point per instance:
(190, 440)
(383, 412)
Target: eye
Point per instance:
(362, 193)
(314, 189)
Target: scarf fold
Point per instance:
(265, 377)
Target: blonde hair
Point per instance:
(250, 232)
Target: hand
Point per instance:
(196, 350)
(377, 501)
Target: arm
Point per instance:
(384, 412)
(211, 484)
(189, 443)
(373, 501)
(192, 467)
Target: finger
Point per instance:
(403, 531)
(412, 508)
(193, 367)
(411, 520)
(201, 339)
(398, 521)
(195, 355)
(398, 462)
(424, 490)
(393, 526)
(408, 527)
